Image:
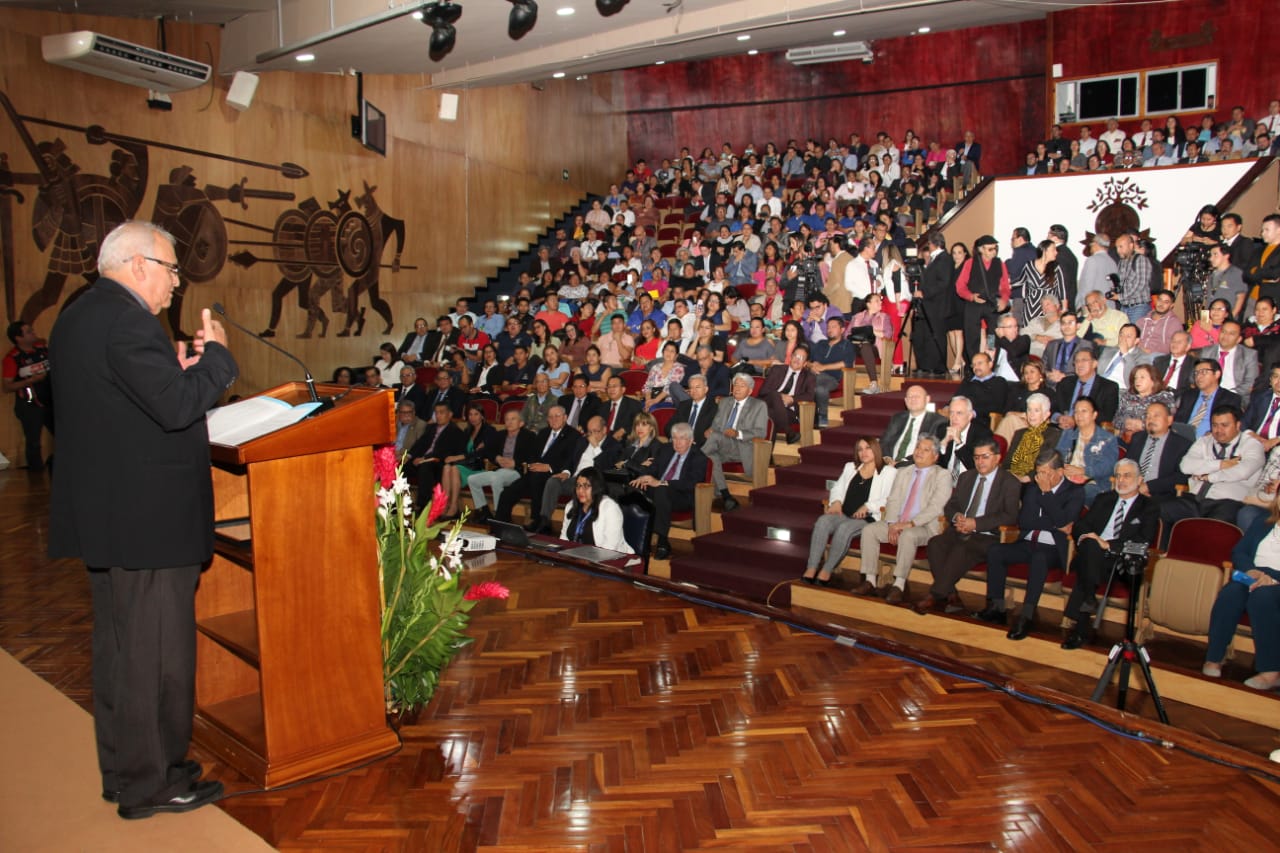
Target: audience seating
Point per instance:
(1186, 579)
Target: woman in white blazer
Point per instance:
(592, 517)
(855, 501)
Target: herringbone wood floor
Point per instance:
(592, 715)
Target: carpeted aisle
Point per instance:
(51, 793)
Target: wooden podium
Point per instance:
(289, 660)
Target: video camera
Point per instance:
(913, 268)
(1192, 264)
(1132, 558)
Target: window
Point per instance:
(1137, 93)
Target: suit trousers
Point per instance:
(721, 450)
(782, 415)
(951, 555)
(1194, 506)
(665, 502)
(496, 480)
(877, 533)
(528, 486)
(1037, 555)
(429, 474)
(975, 314)
(1090, 562)
(929, 341)
(144, 664)
(840, 529)
(552, 492)
(1263, 607)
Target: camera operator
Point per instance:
(1119, 518)
(801, 278)
(1132, 293)
(932, 292)
(1225, 281)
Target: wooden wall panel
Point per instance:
(466, 190)
(987, 78)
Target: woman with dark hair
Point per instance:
(852, 503)
(647, 346)
(593, 371)
(663, 373)
(483, 444)
(955, 316)
(1206, 229)
(1145, 387)
(557, 371)
(636, 458)
(1173, 132)
(707, 337)
(771, 158)
(488, 375)
(592, 517)
(459, 370)
(389, 364)
(574, 349)
(792, 336)
(1205, 332)
(1015, 403)
(342, 376)
(1089, 451)
(1043, 277)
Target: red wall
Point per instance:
(990, 79)
(1107, 39)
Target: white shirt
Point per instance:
(1114, 140)
(1121, 511)
(589, 457)
(859, 277)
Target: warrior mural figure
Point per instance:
(380, 226)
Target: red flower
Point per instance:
(384, 465)
(439, 500)
(488, 589)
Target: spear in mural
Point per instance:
(98, 135)
(7, 195)
(247, 259)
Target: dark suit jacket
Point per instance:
(591, 406)
(562, 452)
(975, 153)
(1264, 274)
(416, 395)
(408, 340)
(1017, 351)
(636, 460)
(1169, 474)
(609, 450)
(935, 284)
(932, 424)
(1259, 405)
(132, 486)
(1050, 358)
(978, 430)
(718, 379)
(1189, 400)
(452, 441)
(527, 448)
(987, 397)
(804, 384)
(1004, 492)
(1070, 266)
(1104, 392)
(1050, 511)
(693, 473)
(706, 415)
(433, 342)
(455, 397)
(1185, 373)
(1242, 251)
(1141, 522)
(628, 408)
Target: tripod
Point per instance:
(916, 310)
(1128, 651)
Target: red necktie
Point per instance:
(1222, 358)
(1266, 424)
(613, 414)
(1168, 376)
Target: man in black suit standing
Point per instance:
(557, 445)
(1085, 383)
(1051, 504)
(410, 391)
(899, 439)
(1159, 451)
(1195, 405)
(619, 409)
(785, 387)
(679, 467)
(929, 330)
(133, 497)
(1116, 518)
(579, 405)
(1067, 261)
(698, 411)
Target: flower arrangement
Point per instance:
(425, 607)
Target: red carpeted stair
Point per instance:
(742, 559)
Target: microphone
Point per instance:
(311, 382)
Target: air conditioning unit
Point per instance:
(830, 53)
(125, 62)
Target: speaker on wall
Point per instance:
(240, 95)
(448, 106)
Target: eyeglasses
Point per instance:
(174, 269)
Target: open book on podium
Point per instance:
(289, 658)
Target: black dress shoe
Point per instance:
(1077, 637)
(1020, 630)
(793, 438)
(534, 526)
(199, 794)
(480, 516)
(190, 770)
(992, 615)
(730, 504)
(662, 552)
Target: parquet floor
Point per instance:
(594, 715)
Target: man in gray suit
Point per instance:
(1116, 363)
(1239, 363)
(737, 424)
(910, 520)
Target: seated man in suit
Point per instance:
(440, 439)
(1222, 468)
(1051, 504)
(440, 342)
(619, 409)
(1085, 383)
(984, 390)
(1117, 517)
(1176, 368)
(905, 428)
(598, 450)
(740, 420)
(1159, 451)
(445, 392)
(964, 433)
(785, 386)
(1263, 415)
(909, 520)
(414, 342)
(515, 449)
(678, 469)
(1117, 362)
(1060, 356)
(1195, 405)
(580, 405)
(539, 402)
(984, 499)
(1012, 349)
(555, 446)
(409, 427)
(1239, 363)
(699, 411)
(409, 390)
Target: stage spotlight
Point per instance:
(441, 17)
(524, 14)
(610, 7)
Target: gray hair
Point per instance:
(744, 379)
(127, 241)
(1041, 400)
(559, 409)
(682, 431)
(699, 378)
(960, 398)
(932, 440)
(1127, 463)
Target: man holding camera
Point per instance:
(933, 292)
(1132, 292)
(1119, 518)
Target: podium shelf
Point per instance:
(240, 720)
(236, 632)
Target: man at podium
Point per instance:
(134, 500)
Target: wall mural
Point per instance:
(335, 250)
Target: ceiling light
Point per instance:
(558, 75)
(923, 30)
(581, 77)
(306, 57)
(524, 14)
(565, 11)
(838, 33)
(610, 7)
(752, 52)
(660, 62)
(744, 37)
(441, 17)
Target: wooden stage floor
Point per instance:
(592, 714)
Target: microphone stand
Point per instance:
(325, 404)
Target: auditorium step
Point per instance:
(815, 469)
(758, 583)
(506, 278)
(752, 523)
